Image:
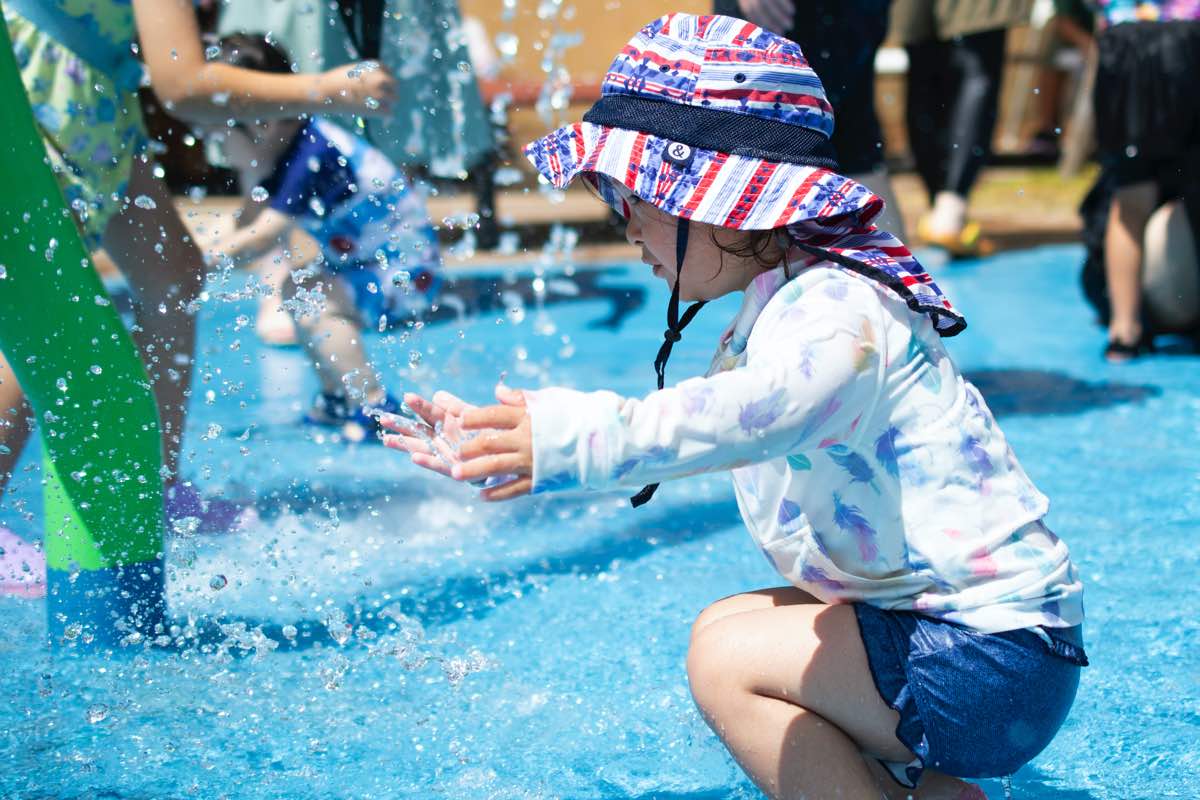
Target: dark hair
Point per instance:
(251, 51)
(756, 245)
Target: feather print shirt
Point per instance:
(865, 466)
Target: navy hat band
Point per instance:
(711, 129)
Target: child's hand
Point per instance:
(468, 443)
(434, 437)
(503, 448)
(365, 88)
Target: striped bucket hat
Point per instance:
(716, 120)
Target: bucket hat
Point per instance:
(713, 119)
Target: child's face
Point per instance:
(709, 272)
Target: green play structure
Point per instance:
(91, 397)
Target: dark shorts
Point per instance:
(971, 705)
(1146, 101)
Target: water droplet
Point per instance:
(95, 369)
(258, 194)
(97, 713)
(371, 103)
(289, 631)
(414, 358)
(218, 583)
(214, 430)
(144, 201)
(61, 383)
(211, 52)
(3, 272)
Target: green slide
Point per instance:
(90, 394)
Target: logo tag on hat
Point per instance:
(678, 154)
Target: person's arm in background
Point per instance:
(258, 231)
(197, 90)
(1069, 19)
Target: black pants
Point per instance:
(840, 38)
(953, 91)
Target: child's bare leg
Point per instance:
(14, 422)
(797, 710)
(164, 268)
(333, 339)
(1131, 208)
(273, 324)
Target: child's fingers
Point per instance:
(521, 486)
(487, 466)
(431, 413)
(410, 444)
(502, 417)
(431, 463)
(491, 443)
(445, 450)
(509, 397)
(451, 403)
(398, 424)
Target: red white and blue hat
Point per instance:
(714, 119)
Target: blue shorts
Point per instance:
(971, 705)
(378, 298)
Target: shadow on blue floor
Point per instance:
(1043, 392)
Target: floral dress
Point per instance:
(865, 466)
(90, 120)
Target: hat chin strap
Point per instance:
(673, 333)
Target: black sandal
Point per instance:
(1117, 352)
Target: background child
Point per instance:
(931, 627)
(77, 63)
(1148, 127)
(380, 255)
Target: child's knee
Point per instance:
(714, 663)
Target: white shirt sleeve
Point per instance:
(812, 369)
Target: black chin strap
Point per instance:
(673, 333)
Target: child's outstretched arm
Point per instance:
(812, 373)
(251, 239)
(198, 90)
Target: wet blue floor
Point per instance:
(446, 649)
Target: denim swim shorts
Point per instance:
(971, 705)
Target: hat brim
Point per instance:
(722, 189)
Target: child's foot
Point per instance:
(356, 423)
(22, 567)
(274, 325)
(187, 511)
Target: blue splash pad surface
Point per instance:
(451, 649)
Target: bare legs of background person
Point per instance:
(799, 712)
(274, 325)
(333, 340)
(164, 282)
(14, 423)
(1131, 208)
(164, 268)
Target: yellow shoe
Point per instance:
(969, 243)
